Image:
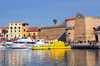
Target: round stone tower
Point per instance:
(69, 28)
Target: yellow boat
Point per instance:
(54, 45)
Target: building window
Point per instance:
(34, 36)
(11, 35)
(34, 33)
(68, 33)
(24, 35)
(11, 28)
(19, 30)
(6, 35)
(11, 24)
(15, 27)
(19, 24)
(28, 33)
(24, 30)
(15, 24)
(19, 27)
(15, 30)
(94, 28)
(19, 35)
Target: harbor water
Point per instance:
(52, 57)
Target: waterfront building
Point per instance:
(25, 27)
(32, 32)
(16, 29)
(82, 28)
(79, 28)
(4, 32)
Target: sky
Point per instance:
(40, 13)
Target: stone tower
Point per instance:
(69, 26)
(80, 27)
(83, 28)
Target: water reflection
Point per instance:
(53, 57)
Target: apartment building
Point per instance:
(16, 29)
(32, 32)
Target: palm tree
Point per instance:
(55, 21)
(4, 32)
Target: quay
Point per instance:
(85, 46)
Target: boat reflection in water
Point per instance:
(52, 57)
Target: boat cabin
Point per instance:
(41, 42)
(25, 39)
(56, 43)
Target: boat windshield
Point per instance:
(46, 42)
(8, 40)
(15, 42)
(21, 42)
(30, 42)
(24, 37)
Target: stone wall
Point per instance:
(80, 29)
(53, 32)
(89, 29)
(96, 21)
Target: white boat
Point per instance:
(8, 44)
(23, 43)
(41, 42)
(18, 45)
(28, 42)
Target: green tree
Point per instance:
(55, 21)
(4, 32)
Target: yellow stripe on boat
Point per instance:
(64, 47)
(40, 48)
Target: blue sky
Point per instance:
(40, 13)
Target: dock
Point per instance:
(85, 46)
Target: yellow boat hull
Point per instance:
(39, 48)
(66, 47)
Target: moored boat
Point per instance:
(23, 43)
(54, 45)
(41, 42)
(18, 45)
(28, 42)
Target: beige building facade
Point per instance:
(17, 30)
(82, 28)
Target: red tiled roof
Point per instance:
(24, 23)
(72, 18)
(32, 29)
(4, 27)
